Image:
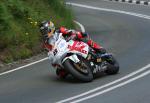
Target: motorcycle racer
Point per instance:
(49, 36)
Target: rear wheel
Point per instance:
(79, 70)
(113, 66)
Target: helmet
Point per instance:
(47, 29)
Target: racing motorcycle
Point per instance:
(79, 60)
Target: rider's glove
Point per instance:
(70, 32)
(72, 37)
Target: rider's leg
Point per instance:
(61, 72)
(98, 49)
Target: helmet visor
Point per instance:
(45, 30)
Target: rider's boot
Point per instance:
(99, 50)
(101, 54)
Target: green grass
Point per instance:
(19, 20)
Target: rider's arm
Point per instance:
(65, 31)
(75, 34)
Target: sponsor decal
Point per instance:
(78, 47)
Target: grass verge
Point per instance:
(19, 19)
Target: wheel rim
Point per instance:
(81, 67)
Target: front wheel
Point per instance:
(73, 68)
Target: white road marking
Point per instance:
(81, 26)
(23, 66)
(113, 87)
(27, 65)
(106, 85)
(110, 10)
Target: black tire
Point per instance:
(68, 65)
(113, 67)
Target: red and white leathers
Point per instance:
(81, 36)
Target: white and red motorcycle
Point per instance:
(79, 60)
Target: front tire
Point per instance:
(70, 67)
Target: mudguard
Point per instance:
(73, 57)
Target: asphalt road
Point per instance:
(124, 35)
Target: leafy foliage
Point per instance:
(19, 20)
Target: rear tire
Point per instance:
(113, 67)
(69, 66)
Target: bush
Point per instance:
(19, 19)
(60, 9)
